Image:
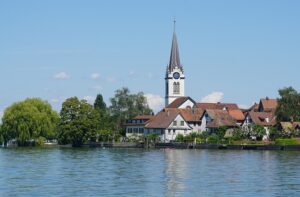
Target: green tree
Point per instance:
(105, 119)
(29, 120)
(79, 122)
(275, 133)
(99, 104)
(220, 132)
(288, 108)
(125, 106)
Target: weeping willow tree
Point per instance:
(29, 120)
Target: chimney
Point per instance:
(267, 98)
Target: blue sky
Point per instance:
(234, 51)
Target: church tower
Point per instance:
(174, 74)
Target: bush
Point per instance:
(40, 141)
(291, 141)
(179, 138)
(213, 139)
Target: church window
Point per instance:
(176, 88)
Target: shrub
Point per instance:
(290, 141)
(212, 139)
(179, 138)
(40, 141)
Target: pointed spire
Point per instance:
(174, 57)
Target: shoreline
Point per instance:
(141, 145)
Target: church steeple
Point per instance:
(174, 57)
(174, 75)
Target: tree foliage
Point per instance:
(105, 119)
(29, 120)
(79, 122)
(288, 108)
(99, 104)
(125, 105)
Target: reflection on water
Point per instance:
(175, 171)
(138, 172)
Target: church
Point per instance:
(181, 114)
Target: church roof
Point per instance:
(174, 57)
(179, 101)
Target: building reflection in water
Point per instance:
(175, 171)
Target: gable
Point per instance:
(189, 103)
(178, 125)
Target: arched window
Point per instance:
(176, 88)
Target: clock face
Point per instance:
(176, 75)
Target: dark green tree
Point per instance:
(29, 120)
(105, 120)
(79, 122)
(288, 108)
(99, 104)
(125, 105)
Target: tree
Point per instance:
(99, 104)
(288, 108)
(29, 120)
(100, 107)
(79, 122)
(125, 106)
(220, 132)
(275, 133)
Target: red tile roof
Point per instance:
(263, 118)
(268, 104)
(164, 118)
(237, 114)
(220, 118)
(219, 106)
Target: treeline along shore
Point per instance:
(33, 122)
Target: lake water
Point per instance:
(139, 172)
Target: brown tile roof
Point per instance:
(260, 118)
(219, 106)
(268, 104)
(286, 126)
(220, 118)
(191, 115)
(143, 117)
(164, 118)
(237, 114)
(178, 102)
(289, 126)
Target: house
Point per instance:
(233, 110)
(262, 114)
(136, 125)
(170, 122)
(267, 105)
(212, 119)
